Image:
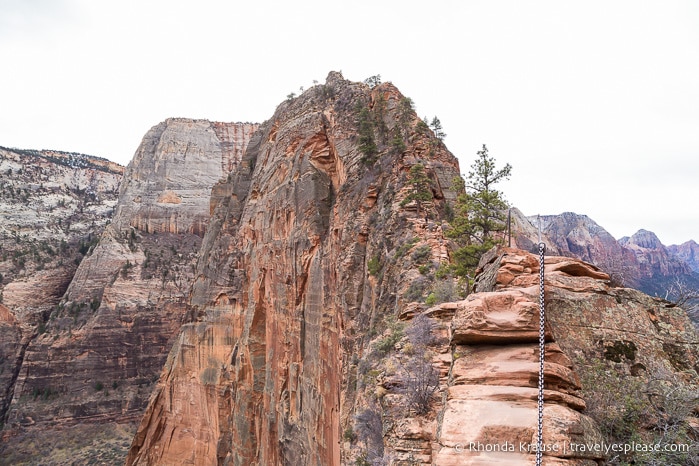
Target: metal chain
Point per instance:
(540, 400)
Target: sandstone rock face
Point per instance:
(168, 185)
(579, 236)
(291, 347)
(525, 233)
(586, 318)
(53, 205)
(283, 296)
(108, 337)
(489, 416)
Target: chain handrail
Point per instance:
(542, 319)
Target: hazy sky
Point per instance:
(595, 104)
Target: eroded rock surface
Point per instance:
(491, 395)
(53, 206)
(108, 337)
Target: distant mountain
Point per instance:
(658, 267)
(640, 261)
(687, 252)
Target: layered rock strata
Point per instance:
(657, 266)
(490, 413)
(53, 206)
(107, 338)
(588, 320)
(484, 408)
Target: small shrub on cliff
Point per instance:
(418, 380)
(95, 304)
(416, 290)
(684, 295)
(369, 428)
(125, 269)
(374, 266)
(421, 254)
(327, 92)
(406, 110)
(386, 344)
(405, 247)
(397, 143)
(379, 111)
(420, 332)
(653, 410)
(373, 81)
(348, 435)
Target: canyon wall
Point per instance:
(108, 335)
(53, 207)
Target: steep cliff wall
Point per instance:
(107, 338)
(284, 294)
(53, 205)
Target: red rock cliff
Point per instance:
(283, 296)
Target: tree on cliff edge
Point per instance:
(479, 213)
(420, 190)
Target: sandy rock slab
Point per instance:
(504, 317)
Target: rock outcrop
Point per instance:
(108, 337)
(263, 373)
(487, 413)
(590, 322)
(287, 271)
(524, 233)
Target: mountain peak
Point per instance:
(645, 239)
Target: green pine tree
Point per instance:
(420, 191)
(479, 213)
(366, 136)
(436, 126)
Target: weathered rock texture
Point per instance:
(292, 353)
(168, 185)
(589, 320)
(526, 235)
(283, 297)
(107, 339)
(485, 349)
(53, 205)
